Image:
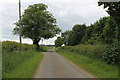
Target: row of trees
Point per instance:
(104, 31)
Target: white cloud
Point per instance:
(67, 12)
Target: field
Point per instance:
(17, 64)
(89, 58)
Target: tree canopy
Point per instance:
(74, 36)
(58, 42)
(36, 23)
(105, 31)
(65, 36)
(113, 9)
(111, 54)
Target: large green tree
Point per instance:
(65, 36)
(76, 34)
(102, 31)
(113, 9)
(36, 23)
(58, 42)
(112, 55)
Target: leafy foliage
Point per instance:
(74, 36)
(93, 51)
(37, 23)
(65, 36)
(105, 31)
(111, 54)
(11, 46)
(113, 9)
(102, 31)
(58, 42)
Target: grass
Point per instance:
(94, 51)
(27, 68)
(94, 66)
(19, 65)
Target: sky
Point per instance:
(67, 12)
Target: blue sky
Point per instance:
(67, 12)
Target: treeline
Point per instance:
(104, 31)
(101, 32)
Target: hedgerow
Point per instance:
(108, 53)
(111, 54)
(94, 51)
(11, 46)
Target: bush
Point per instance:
(111, 54)
(108, 53)
(11, 46)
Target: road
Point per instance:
(54, 65)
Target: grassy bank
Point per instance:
(95, 66)
(27, 68)
(17, 64)
(94, 51)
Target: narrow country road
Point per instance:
(54, 65)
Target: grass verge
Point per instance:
(27, 68)
(93, 66)
(17, 64)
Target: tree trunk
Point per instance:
(36, 42)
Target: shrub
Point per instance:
(108, 53)
(111, 54)
(94, 51)
(11, 46)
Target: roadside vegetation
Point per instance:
(103, 32)
(95, 47)
(41, 25)
(88, 58)
(16, 64)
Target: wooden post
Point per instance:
(20, 25)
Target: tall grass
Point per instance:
(25, 67)
(12, 59)
(88, 57)
(94, 51)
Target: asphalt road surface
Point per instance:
(54, 65)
